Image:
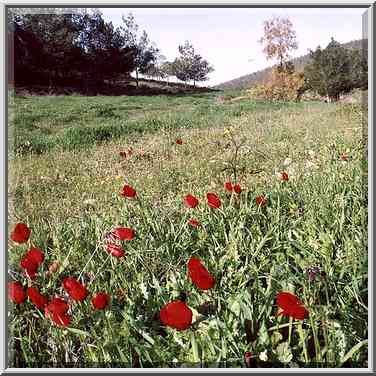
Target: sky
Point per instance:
(228, 38)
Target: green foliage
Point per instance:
(334, 70)
(318, 217)
(190, 66)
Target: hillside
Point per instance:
(260, 76)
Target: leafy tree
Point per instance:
(145, 51)
(329, 73)
(279, 39)
(190, 66)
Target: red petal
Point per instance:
(114, 250)
(128, 191)
(194, 222)
(36, 255)
(123, 233)
(228, 186)
(190, 201)
(16, 292)
(57, 305)
(199, 274)
(61, 319)
(285, 300)
(75, 289)
(213, 200)
(177, 315)
(101, 300)
(237, 189)
(21, 233)
(298, 312)
(261, 200)
(39, 300)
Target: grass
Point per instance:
(68, 193)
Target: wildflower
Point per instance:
(261, 201)
(291, 306)
(287, 161)
(123, 233)
(213, 200)
(199, 274)
(237, 189)
(57, 310)
(101, 300)
(344, 158)
(75, 289)
(194, 222)
(31, 261)
(176, 314)
(16, 292)
(190, 201)
(249, 362)
(39, 300)
(228, 186)
(21, 233)
(179, 141)
(312, 273)
(114, 250)
(128, 192)
(283, 176)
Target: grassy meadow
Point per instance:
(65, 175)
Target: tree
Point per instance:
(190, 66)
(329, 73)
(145, 51)
(279, 39)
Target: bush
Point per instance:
(282, 86)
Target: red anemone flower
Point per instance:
(291, 306)
(128, 192)
(261, 200)
(179, 141)
(75, 289)
(213, 200)
(344, 157)
(114, 250)
(16, 292)
(123, 233)
(190, 201)
(57, 310)
(199, 274)
(39, 300)
(249, 362)
(237, 189)
(194, 222)
(101, 300)
(228, 186)
(283, 176)
(31, 261)
(176, 314)
(21, 233)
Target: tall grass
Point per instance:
(69, 195)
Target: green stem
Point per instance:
(301, 334)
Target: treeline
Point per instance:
(81, 48)
(262, 76)
(329, 72)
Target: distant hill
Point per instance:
(261, 76)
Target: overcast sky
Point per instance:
(228, 38)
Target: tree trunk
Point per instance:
(136, 77)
